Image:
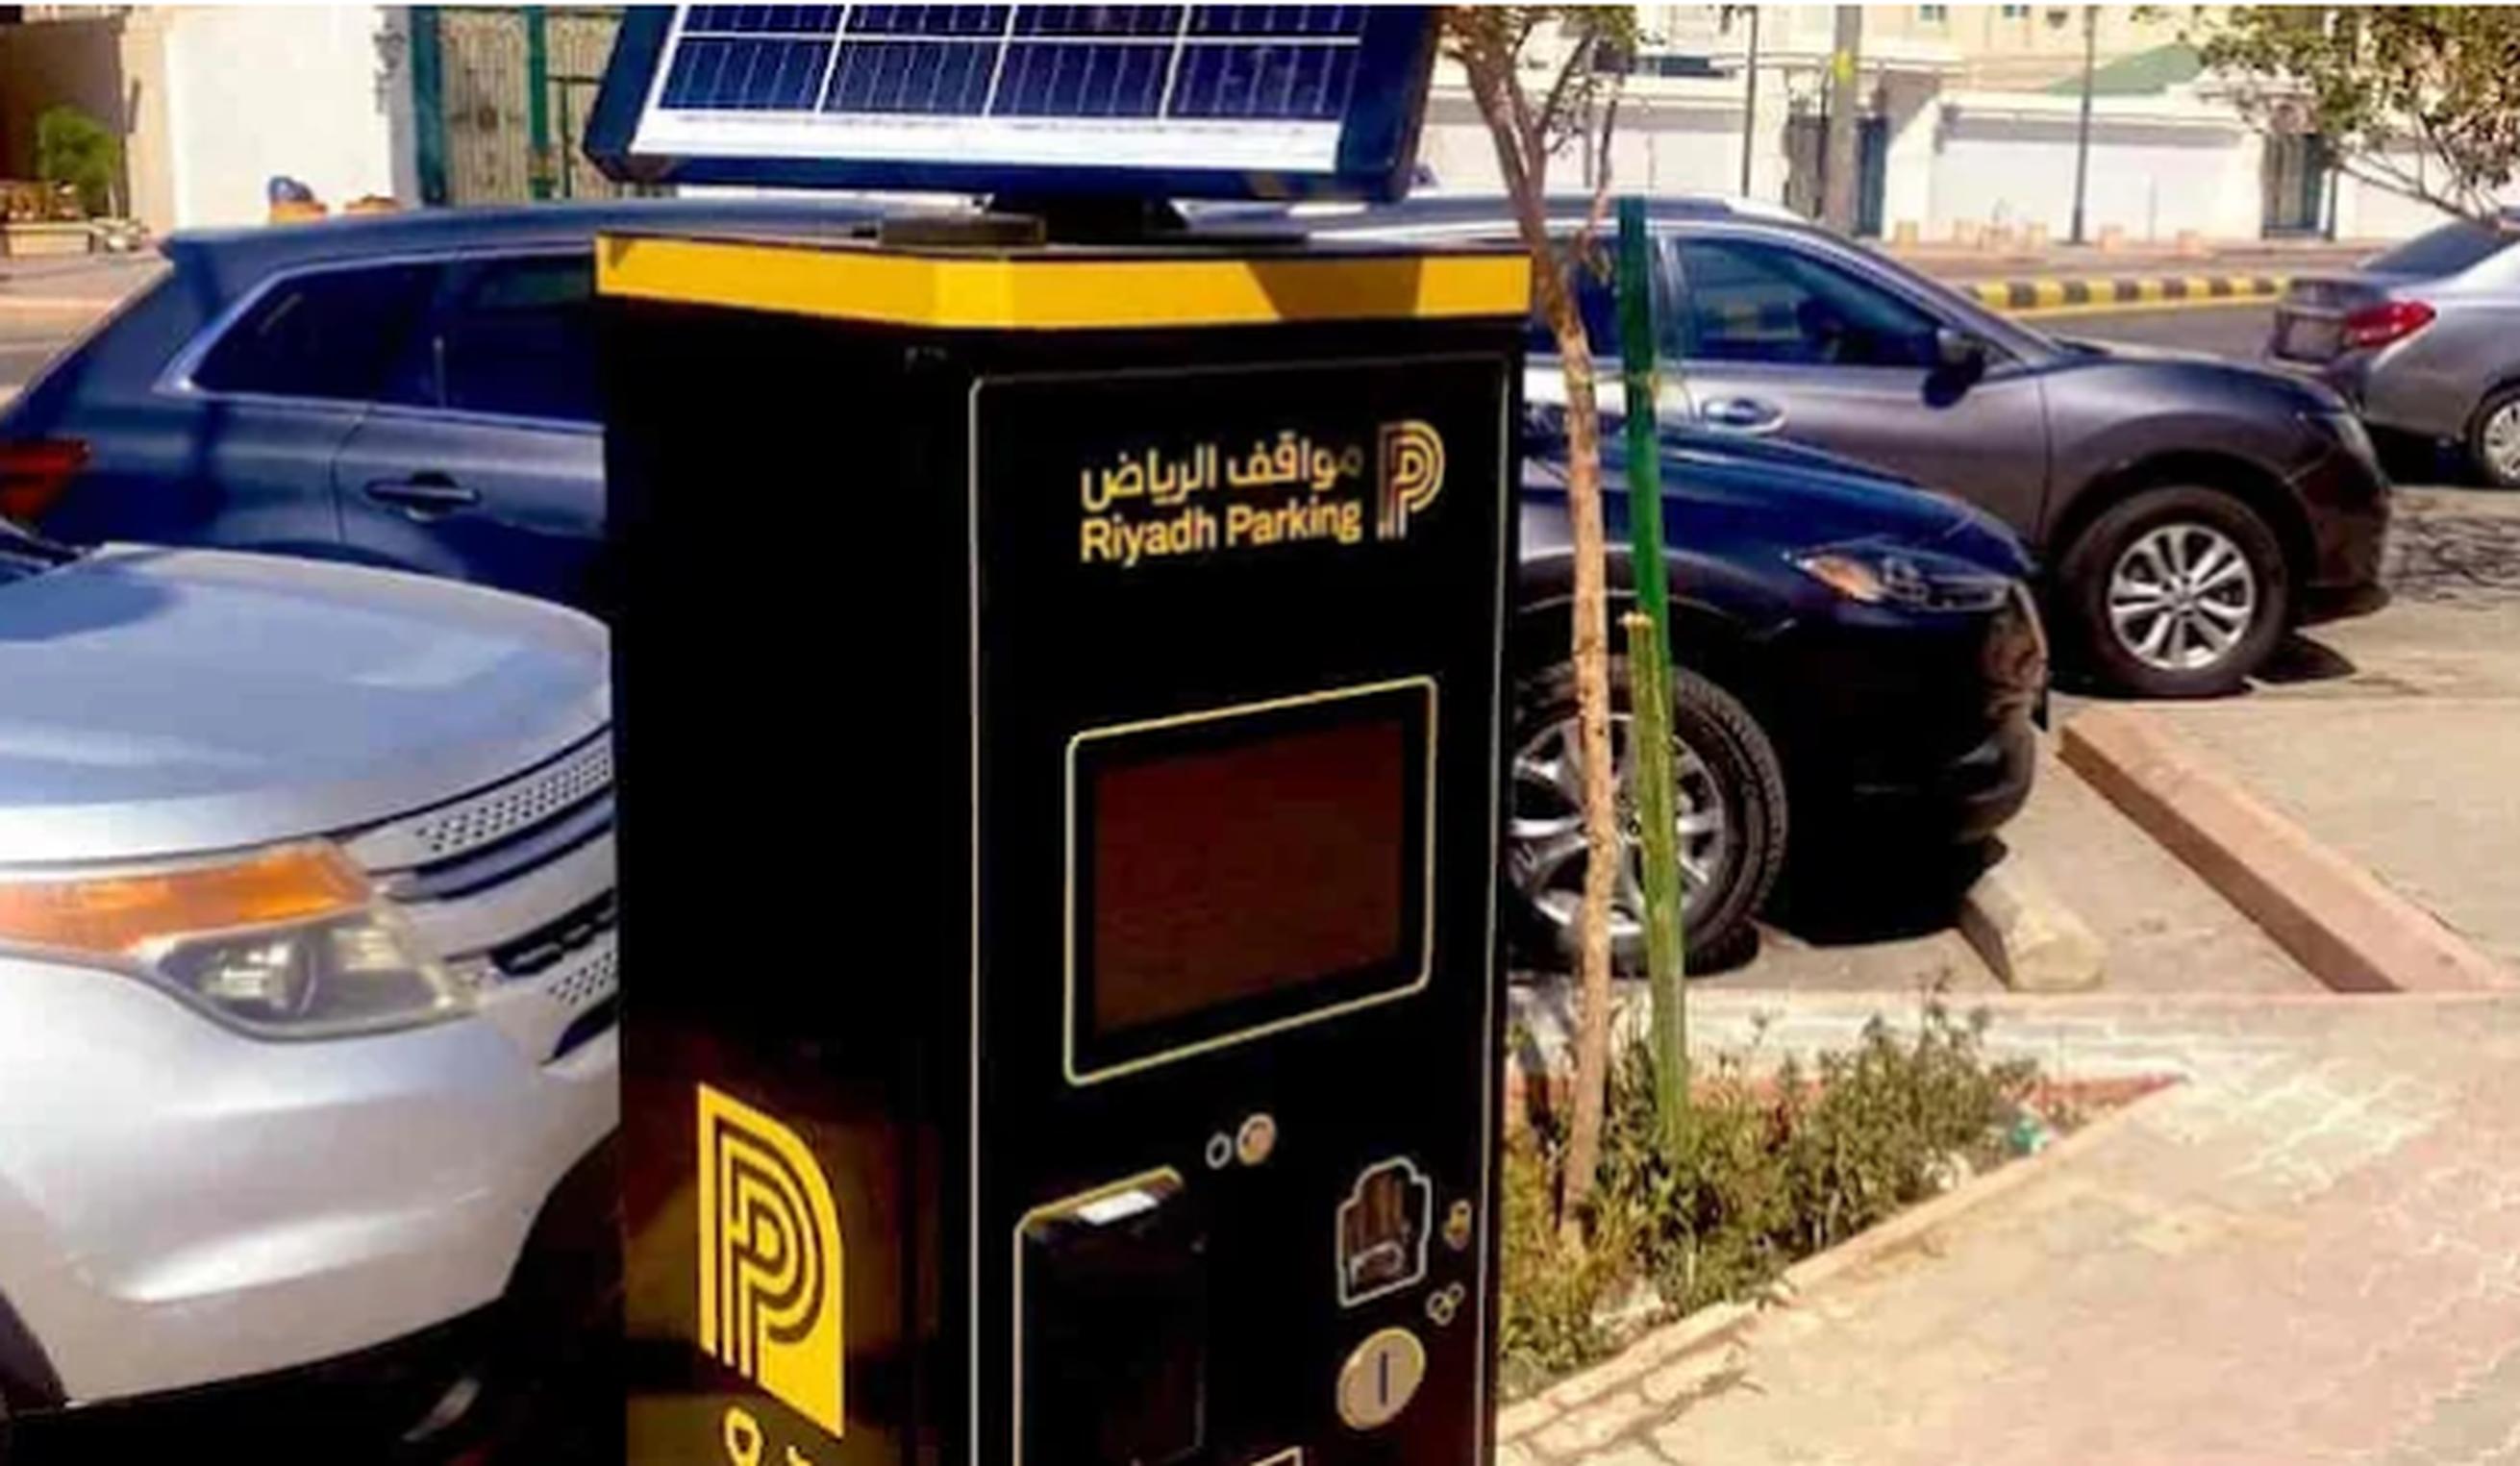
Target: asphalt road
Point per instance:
(2233, 331)
(25, 346)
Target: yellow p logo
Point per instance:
(770, 1257)
(1411, 456)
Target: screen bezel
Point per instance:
(1377, 140)
(1092, 1057)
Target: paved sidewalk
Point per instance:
(2309, 1252)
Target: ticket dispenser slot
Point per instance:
(1383, 1229)
(1115, 1320)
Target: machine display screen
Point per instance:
(1237, 869)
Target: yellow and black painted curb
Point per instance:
(2061, 297)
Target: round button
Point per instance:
(1220, 1151)
(1380, 1378)
(1256, 1140)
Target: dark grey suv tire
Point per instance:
(1732, 823)
(2177, 592)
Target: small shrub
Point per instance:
(1771, 1171)
(74, 148)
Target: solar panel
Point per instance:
(1231, 101)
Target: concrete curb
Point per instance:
(1661, 1366)
(2337, 919)
(2043, 296)
(2029, 937)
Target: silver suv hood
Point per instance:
(158, 703)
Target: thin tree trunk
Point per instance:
(1522, 145)
(1591, 651)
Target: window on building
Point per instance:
(1934, 15)
(2014, 11)
(327, 334)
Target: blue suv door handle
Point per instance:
(423, 496)
(1741, 415)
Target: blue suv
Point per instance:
(415, 390)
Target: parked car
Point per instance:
(2424, 339)
(2188, 510)
(1855, 657)
(415, 390)
(309, 1057)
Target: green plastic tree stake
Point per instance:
(1649, 630)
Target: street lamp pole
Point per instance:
(1750, 102)
(2082, 128)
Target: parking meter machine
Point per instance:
(1059, 676)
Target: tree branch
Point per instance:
(1579, 60)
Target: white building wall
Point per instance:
(2367, 211)
(2158, 167)
(1672, 138)
(302, 91)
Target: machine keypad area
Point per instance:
(1125, 1273)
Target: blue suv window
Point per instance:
(1755, 302)
(510, 337)
(327, 334)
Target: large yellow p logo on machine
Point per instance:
(1412, 470)
(770, 1258)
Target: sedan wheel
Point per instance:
(1730, 823)
(2182, 598)
(2494, 440)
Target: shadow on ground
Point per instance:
(2299, 659)
(1847, 892)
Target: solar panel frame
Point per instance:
(1181, 100)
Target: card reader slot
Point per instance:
(1112, 1354)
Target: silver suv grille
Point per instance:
(485, 819)
(514, 887)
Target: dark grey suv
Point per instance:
(2189, 509)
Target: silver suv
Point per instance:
(308, 973)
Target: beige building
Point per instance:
(1969, 127)
(1994, 48)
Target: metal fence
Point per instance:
(500, 97)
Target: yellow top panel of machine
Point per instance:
(1054, 289)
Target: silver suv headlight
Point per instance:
(289, 942)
